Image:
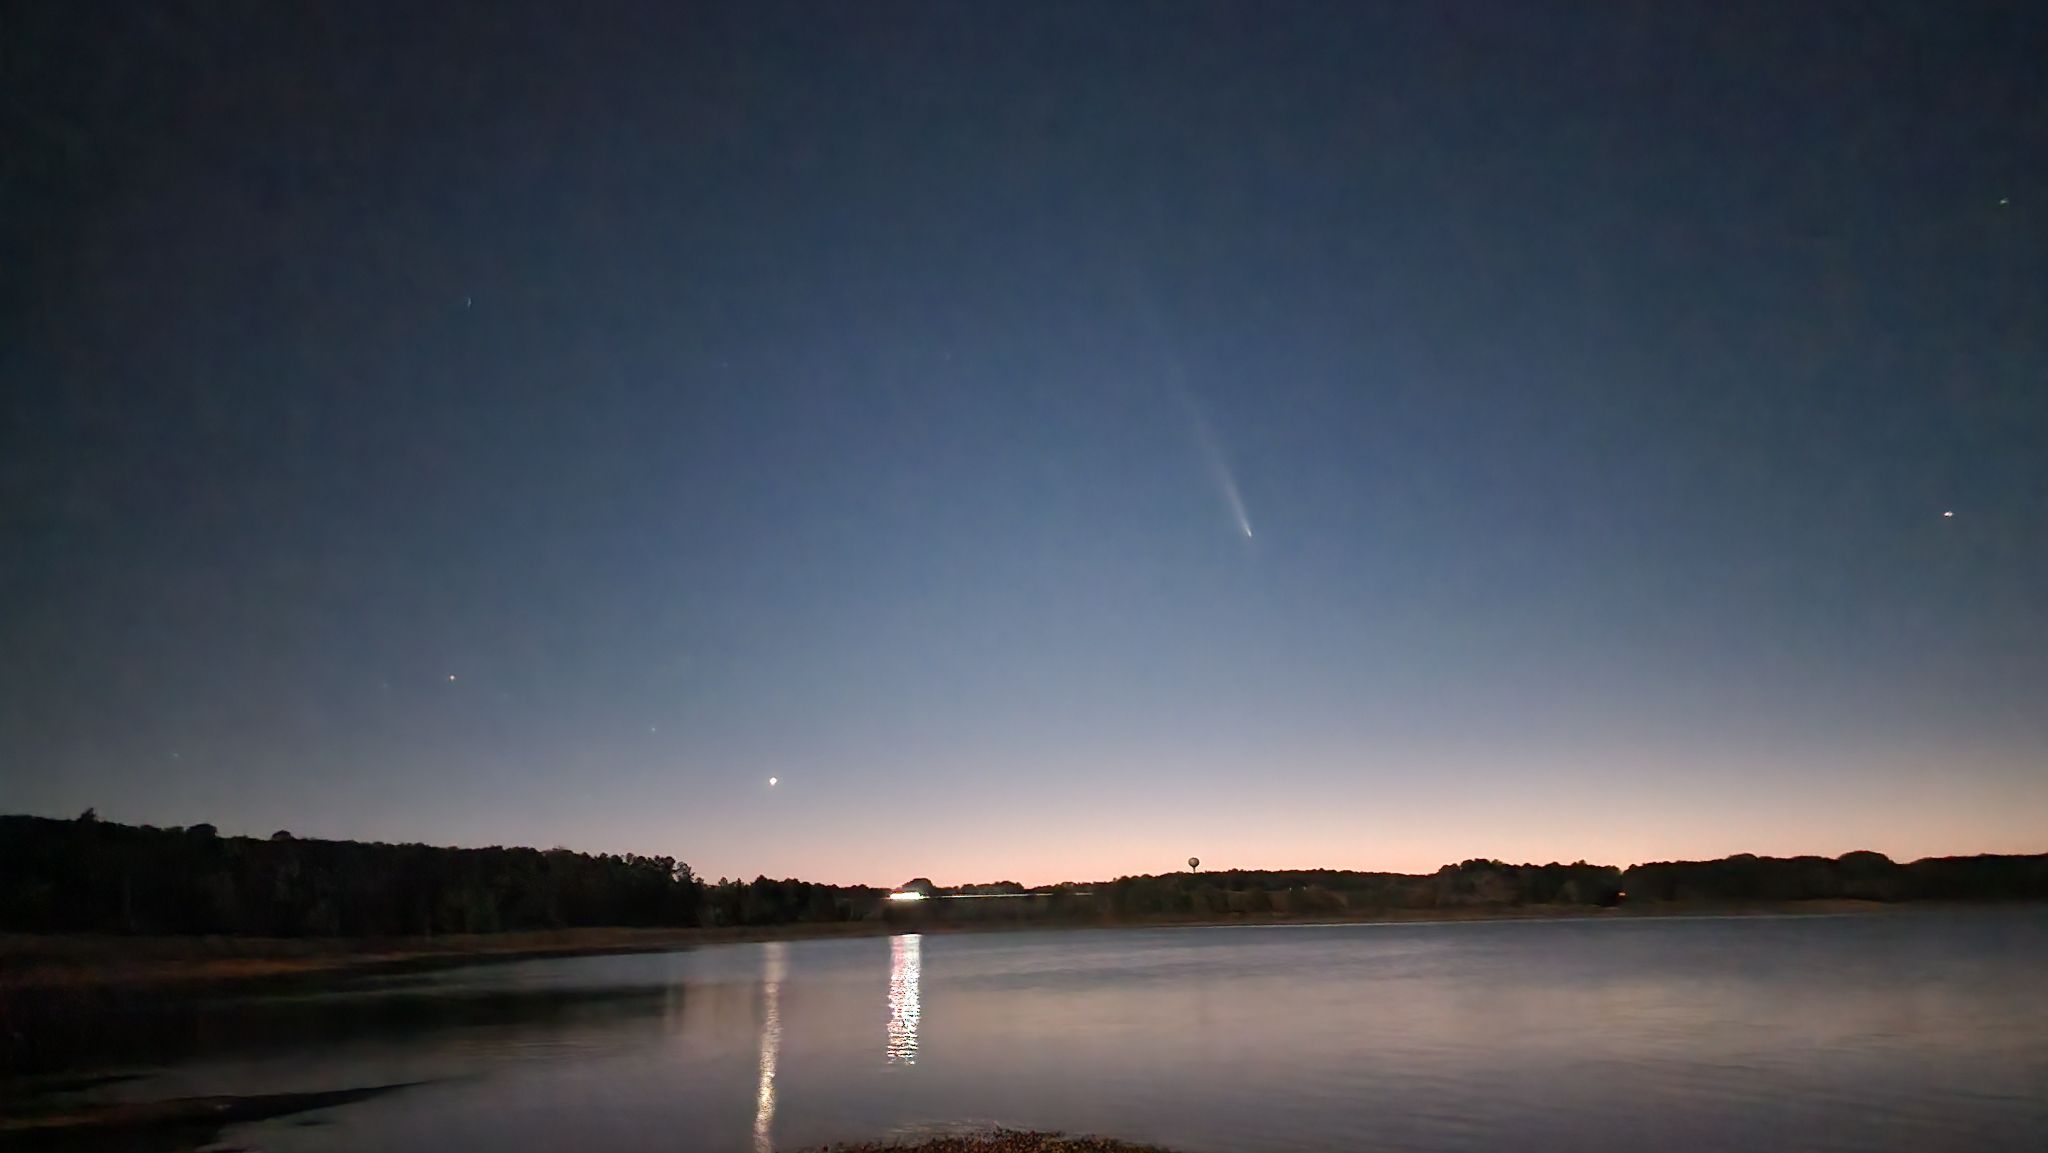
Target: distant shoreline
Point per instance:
(84, 963)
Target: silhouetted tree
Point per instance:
(103, 877)
(88, 875)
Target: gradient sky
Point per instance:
(540, 424)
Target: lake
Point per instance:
(1910, 1032)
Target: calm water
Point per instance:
(1911, 1032)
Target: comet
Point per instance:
(1152, 322)
(1213, 459)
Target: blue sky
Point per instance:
(852, 397)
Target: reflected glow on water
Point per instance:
(905, 955)
(1905, 1032)
(774, 958)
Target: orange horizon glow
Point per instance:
(1412, 818)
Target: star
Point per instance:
(771, 782)
(451, 676)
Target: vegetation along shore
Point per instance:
(88, 903)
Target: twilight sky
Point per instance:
(1053, 439)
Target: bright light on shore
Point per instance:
(908, 896)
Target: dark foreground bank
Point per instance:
(46, 1117)
(52, 1121)
(193, 1123)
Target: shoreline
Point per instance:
(996, 1141)
(89, 963)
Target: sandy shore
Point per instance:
(80, 962)
(70, 960)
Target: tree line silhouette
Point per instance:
(88, 875)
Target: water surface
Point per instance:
(1901, 1033)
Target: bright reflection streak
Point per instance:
(904, 962)
(911, 895)
(773, 957)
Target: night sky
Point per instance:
(1052, 439)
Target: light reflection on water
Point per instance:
(774, 960)
(1902, 1033)
(906, 956)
